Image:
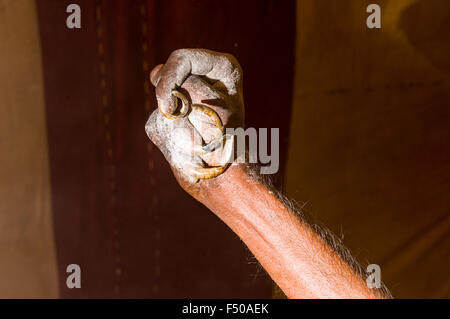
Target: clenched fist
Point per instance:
(295, 254)
(211, 84)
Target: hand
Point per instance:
(207, 78)
(295, 254)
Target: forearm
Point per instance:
(304, 261)
(295, 256)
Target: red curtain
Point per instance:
(118, 211)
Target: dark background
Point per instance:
(116, 207)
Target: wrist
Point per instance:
(238, 197)
(221, 189)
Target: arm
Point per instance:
(305, 261)
(298, 259)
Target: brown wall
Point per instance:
(368, 154)
(369, 146)
(27, 253)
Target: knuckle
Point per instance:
(178, 54)
(232, 60)
(233, 64)
(175, 59)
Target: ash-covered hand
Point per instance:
(209, 80)
(295, 254)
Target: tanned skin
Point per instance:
(304, 261)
